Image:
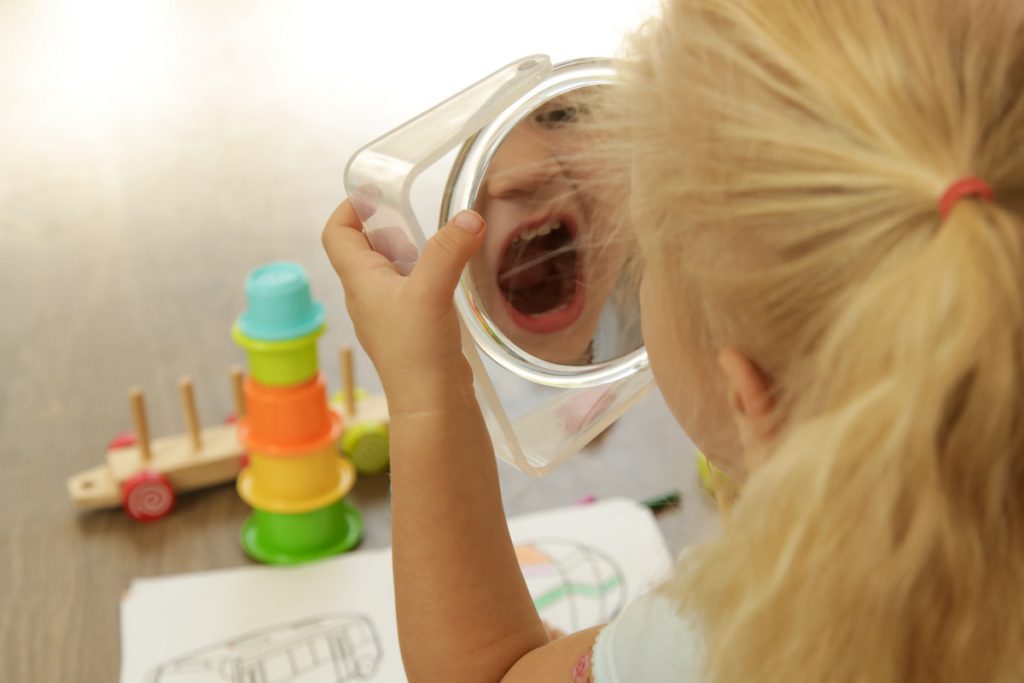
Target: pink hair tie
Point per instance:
(965, 187)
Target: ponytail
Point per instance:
(884, 539)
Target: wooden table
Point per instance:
(130, 214)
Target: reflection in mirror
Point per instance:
(555, 275)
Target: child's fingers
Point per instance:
(366, 198)
(345, 216)
(347, 248)
(446, 254)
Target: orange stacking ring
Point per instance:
(295, 485)
(288, 421)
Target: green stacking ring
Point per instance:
(366, 445)
(277, 538)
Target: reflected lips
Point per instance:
(552, 321)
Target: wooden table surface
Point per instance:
(130, 212)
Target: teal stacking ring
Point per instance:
(279, 305)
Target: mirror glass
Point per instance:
(557, 272)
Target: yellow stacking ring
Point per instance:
(296, 484)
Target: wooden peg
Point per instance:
(237, 391)
(141, 424)
(188, 408)
(348, 381)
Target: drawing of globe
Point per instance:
(574, 586)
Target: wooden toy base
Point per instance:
(217, 460)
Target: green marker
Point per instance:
(664, 502)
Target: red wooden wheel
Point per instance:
(147, 496)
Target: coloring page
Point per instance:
(333, 621)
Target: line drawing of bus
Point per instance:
(329, 648)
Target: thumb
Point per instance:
(447, 253)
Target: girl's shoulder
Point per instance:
(649, 642)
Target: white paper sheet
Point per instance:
(334, 621)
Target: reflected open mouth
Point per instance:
(540, 275)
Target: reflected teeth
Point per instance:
(539, 231)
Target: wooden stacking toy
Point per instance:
(295, 481)
(366, 438)
(143, 475)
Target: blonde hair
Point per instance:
(787, 156)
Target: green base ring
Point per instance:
(258, 549)
(711, 478)
(367, 445)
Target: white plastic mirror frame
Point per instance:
(379, 178)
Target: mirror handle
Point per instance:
(379, 177)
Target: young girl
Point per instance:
(830, 198)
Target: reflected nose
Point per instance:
(522, 166)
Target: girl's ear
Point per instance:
(750, 397)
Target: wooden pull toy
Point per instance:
(143, 475)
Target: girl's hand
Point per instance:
(407, 325)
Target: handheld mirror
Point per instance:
(551, 298)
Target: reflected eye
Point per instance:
(556, 116)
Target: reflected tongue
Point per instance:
(539, 275)
(525, 264)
